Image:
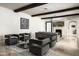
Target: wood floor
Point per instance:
(62, 48)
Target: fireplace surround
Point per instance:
(59, 32)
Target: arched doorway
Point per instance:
(73, 30)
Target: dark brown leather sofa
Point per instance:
(42, 43)
(39, 47)
(43, 35)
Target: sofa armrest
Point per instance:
(33, 41)
(39, 42)
(9, 36)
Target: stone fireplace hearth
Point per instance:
(59, 32)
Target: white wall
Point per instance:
(10, 22)
(36, 25)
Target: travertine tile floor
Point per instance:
(67, 47)
(62, 48)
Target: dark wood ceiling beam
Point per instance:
(63, 10)
(61, 16)
(29, 7)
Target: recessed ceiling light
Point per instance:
(45, 8)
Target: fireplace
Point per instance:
(59, 32)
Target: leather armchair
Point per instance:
(11, 39)
(23, 38)
(39, 47)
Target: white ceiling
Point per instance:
(59, 14)
(44, 8)
(13, 6)
(50, 7)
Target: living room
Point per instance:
(54, 31)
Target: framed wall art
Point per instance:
(24, 23)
